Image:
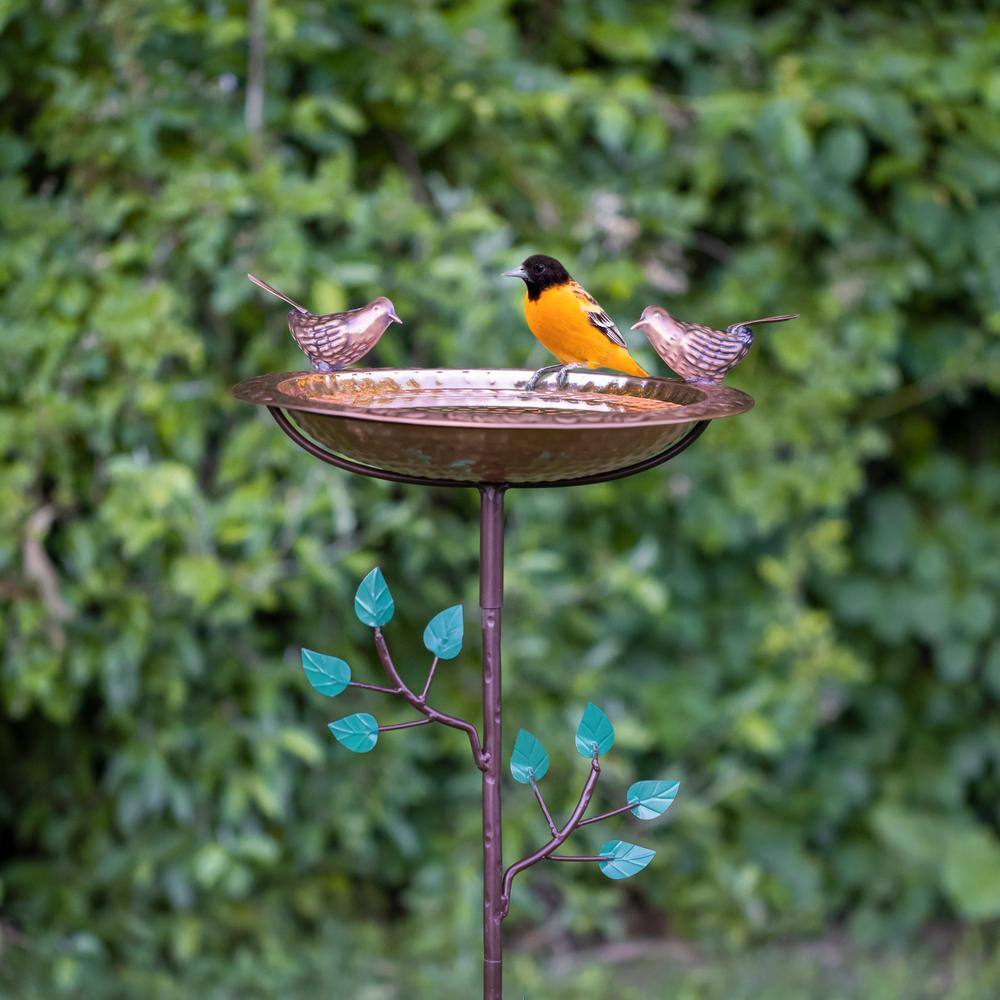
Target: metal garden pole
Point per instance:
(491, 602)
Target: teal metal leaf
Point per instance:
(328, 674)
(652, 798)
(624, 859)
(443, 635)
(528, 758)
(595, 727)
(359, 732)
(373, 604)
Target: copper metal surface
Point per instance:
(481, 426)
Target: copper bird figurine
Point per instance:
(336, 340)
(698, 353)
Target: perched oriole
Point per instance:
(568, 321)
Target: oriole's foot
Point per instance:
(539, 375)
(561, 379)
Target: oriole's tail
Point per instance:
(626, 363)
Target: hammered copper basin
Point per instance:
(482, 426)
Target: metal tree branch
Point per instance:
(418, 702)
(558, 839)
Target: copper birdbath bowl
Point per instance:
(466, 427)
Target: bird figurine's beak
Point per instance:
(393, 318)
(515, 272)
(641, 321)
(645, 318)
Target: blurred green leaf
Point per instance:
(843, 151)
(972, 874)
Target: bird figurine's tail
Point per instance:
(274, 291)
(771, 319)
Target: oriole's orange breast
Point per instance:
(560, 322)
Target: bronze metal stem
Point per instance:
(490, 602)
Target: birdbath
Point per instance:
(481, 429)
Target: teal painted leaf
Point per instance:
(595, 727)
(652, 798)
(373, 604)
(359, 732)
(529, 757)
(624, 859)
(328, 674)
(443, 635)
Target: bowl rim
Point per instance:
(715, 402)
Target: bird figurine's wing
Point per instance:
(711, 350)
(323, 336)
(765, 319)
(597, 316)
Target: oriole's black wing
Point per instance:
(597, 316)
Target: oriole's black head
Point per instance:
(539, 272)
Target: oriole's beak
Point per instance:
(516, 272)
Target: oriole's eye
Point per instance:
(539, 268)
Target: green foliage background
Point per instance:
(797, 619)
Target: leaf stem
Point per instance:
(405, 725)
(374, 687)
(385, 658)
(578, 857)
(430, 677)
(543, 806)
(608, 815)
